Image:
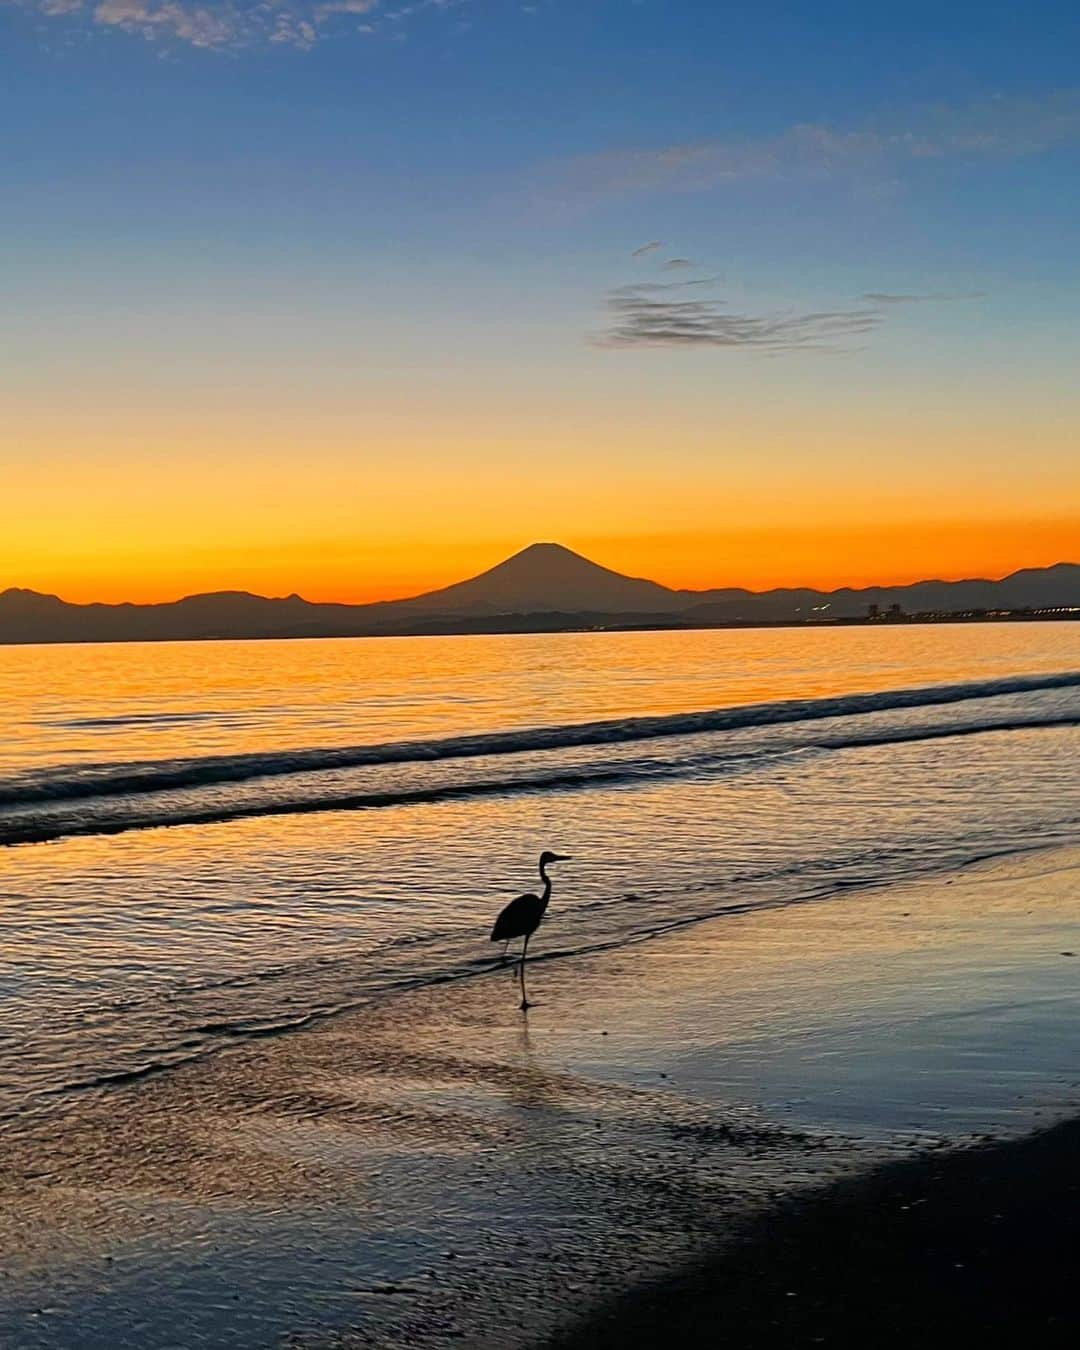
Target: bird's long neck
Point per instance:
(546, 896)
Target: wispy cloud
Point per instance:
(201, 26)
(638, 317)
(994, 127)
(230, 24)
(929, 298)
(659, 287)
(660, 314)
(345, 7)
(647, 248)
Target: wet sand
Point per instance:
(976, 1247)
(434, 1168)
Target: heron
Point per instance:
(521, 917)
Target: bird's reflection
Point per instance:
(532, 1087)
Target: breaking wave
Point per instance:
(107, 798)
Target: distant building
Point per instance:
(873, 612)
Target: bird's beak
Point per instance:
(562, 857)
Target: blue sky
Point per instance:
(320, 219)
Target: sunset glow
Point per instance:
(296, 329)
(539, 674)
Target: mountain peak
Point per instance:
(547, 555)
(549, 578)
(540, 551)
(543, 545)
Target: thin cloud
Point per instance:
(639, 317)
(989, 128)
(345, 7)
(198, 25)
(647, 248)
(662, 314)
(659, 287)
(679, 264)
(235, 24)
(930, 298)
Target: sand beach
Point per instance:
(433, 1167)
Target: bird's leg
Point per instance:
(506, 948)
(521, 972)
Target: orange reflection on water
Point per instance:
(81, 703)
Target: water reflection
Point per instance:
(118, 702)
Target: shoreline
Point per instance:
(433, 1168)
(930, 618)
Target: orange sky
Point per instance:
(151, 502)
(758, 558)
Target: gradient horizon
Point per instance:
(357, 305)
(359, 597)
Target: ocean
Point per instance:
(203, 843)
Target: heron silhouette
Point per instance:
(521, 917)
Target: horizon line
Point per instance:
(541, 544)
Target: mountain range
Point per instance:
(543, 588)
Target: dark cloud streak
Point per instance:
(639, 317)
(660, 314)
(931, 298)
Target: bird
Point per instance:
(521, 917)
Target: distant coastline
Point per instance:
(543, 589)
(541, 624)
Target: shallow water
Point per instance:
(815, 765)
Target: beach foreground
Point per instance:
(433, 1168)
(977, 1246)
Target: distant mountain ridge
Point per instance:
(544, 587)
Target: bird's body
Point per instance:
(521, 917)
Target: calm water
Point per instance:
(70, 705)
(234, 836)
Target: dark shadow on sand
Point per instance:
(976, 1247)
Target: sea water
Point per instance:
(203, 842)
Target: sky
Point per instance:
(355, 298)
